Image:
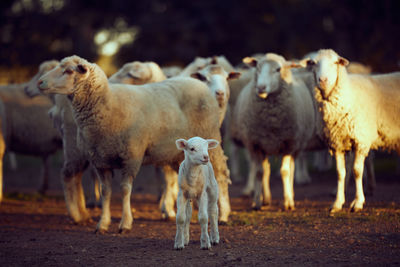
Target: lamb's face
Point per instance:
(132, 73)
(64, 78)
(326, 66)
(216, 79)
(31, 88)
(196, 149)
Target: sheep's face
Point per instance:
(133, 73)
(31, 88)
(64, 78)
(216, 79)
(196, 149)
(326, 67)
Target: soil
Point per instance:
(37, 231)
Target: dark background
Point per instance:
(175, 31)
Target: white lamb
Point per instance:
(124, 126)
(197, 182)
(360, 113)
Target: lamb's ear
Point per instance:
(342, 61)
(81, 68)
(252, 62)
(181, 144)
(199, 76)
(212, 143)
(233, 76)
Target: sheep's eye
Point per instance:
(278, 70)
(68, 71)
(192, 149)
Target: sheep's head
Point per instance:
(326, 66)
(216, 79)
(31, 88)
(64, 78)
(137, 73)
(196, 149)
(271, 71)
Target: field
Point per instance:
(37, 231)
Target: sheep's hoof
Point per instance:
(215, 243)
(333, 210)
(355, 208)
(290, 208)
(100, 231)
(124, 231)
(222, 223)
(178, 248)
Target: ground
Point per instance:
(37, 231)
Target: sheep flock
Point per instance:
(144, 114)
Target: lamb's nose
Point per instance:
(220, 93)
(205, 158)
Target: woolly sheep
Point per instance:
(347, 126)
(271, 112)
(197, 182)
(27, 132)
(143, 133)
(138, 73)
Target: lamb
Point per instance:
(122, 126)
(348, 126)
(197, 182)
(269, 119)
(26, 130)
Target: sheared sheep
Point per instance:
(197, 182)
(28, 130)
(348, 126)
(269, 119)
(124, 126)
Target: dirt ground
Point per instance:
(37, 231)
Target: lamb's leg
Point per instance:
(167, 202)
(249, 188)
(219, 162)
(187, 222)
(358, 169)
(287, 172)
(265, 182)
(45, 175)
(180, 221)
(105, 176)
(213, 213)
(371, 181)
(341, 174)
(203, 220)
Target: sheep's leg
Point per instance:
(203, 220)
(341, 174)
(257, 198)
(105, 219)
(186, 234)
(234, 162)
(45, 175)
(13, 160)
(167, 202)
(213, 213)
(358, 169)
(250, 185)
(287, 173)
(180, 221)
(371, 181)
(219, 162)
(81, 199)
(301, 174)
(265, 182)
(94, 200)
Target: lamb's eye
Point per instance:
(278, 69)
(192, 149)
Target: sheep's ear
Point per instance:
(212, 143)
(134, 74)
(252, 62)
(291, 65)
(81, 68)
(199, 76)
(310, 62)
(233, 75)
(342, 61)
(303, 62)
(181, 144)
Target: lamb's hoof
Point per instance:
(124, 231)
(100, 231)
(178, 247)
(215, 243)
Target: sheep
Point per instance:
(269, 119)
(124, 126)
(197, 182)
(26, 130)
(171, 71)
(138, 73)
(349, 126)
